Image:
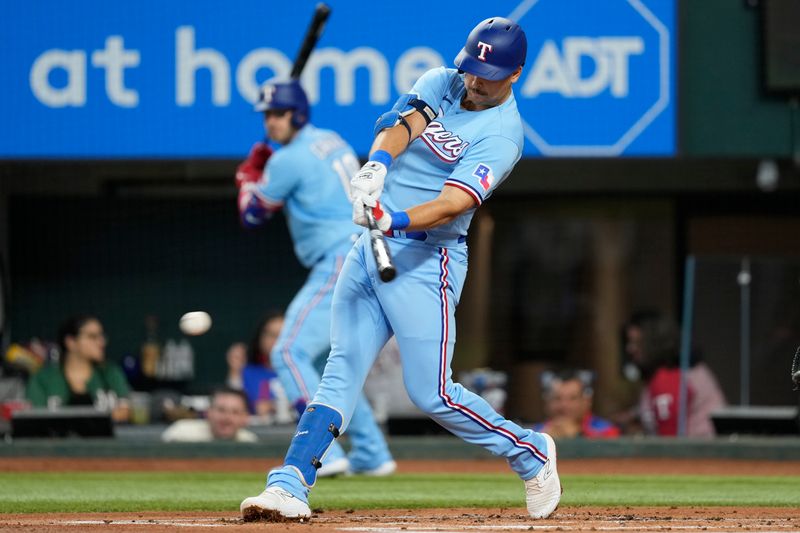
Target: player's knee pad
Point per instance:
(318, 426)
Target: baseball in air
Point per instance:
(195, 323)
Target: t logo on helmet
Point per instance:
(268, 93)
(494, 50)
(484, 48)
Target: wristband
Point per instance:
(382, 156)
(400, 220)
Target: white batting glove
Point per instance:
(382, 219)
(362, 202)
(369, 180)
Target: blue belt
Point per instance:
(423, 236)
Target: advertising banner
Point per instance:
(177, 79)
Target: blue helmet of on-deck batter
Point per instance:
(494, 49)
(285, 95)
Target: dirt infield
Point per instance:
(429, 520)
(426, 520)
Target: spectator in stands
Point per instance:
(82, 376)
(258, 377)
(568, 404)
(236, 357)
(652, 341)
(225, 420)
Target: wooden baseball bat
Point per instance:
(321, 14)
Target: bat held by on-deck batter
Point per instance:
(321, 14)
(380, 250)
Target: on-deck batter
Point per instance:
(308, 176)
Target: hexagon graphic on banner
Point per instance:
(596, 77)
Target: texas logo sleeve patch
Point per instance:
(484, 175)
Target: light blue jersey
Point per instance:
(472, 150)
(310, 179)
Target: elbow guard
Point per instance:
(405, 105)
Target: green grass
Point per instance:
(172, 491)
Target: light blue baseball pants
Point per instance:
(419, 308)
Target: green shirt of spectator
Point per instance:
(83, 377)
(105, 387)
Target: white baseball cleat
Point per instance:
(385, 469)
(274, 505)
(543, 491)
(334, 468)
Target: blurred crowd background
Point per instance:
(653, 201)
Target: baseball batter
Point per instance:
(308, 177)
(448, 144)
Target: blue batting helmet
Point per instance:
(494, 49)
(285, 95)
